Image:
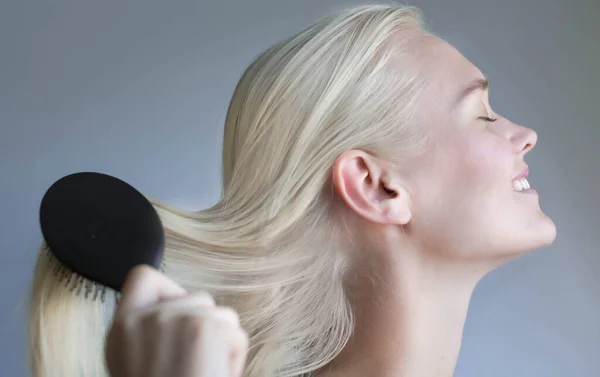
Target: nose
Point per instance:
(524, 139)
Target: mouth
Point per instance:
(520, 183)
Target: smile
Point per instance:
(520, 184)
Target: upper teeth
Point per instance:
(520, 184)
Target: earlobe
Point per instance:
(370, 189)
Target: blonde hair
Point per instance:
(269, 248)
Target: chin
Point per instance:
(547, 234)
(545, 229)
(539, 236)
(524, 240)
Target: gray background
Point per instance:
(139, 89)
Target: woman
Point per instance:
(367, 187)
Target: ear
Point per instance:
(370, 188)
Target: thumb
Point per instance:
(145, 286)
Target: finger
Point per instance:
(223, 316)
(201, 308)
(145, 286)
(197, 299)
(238, 341)
(202, 349)
(192, 303)
(222, 333)
(201, 298)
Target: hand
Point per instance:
(161, 331)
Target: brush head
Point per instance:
(100, 227)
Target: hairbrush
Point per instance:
(96, 228)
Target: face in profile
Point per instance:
(469, 192)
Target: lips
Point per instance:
(520, 183)
(522, 174)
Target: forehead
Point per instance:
(445, 70)
(439, 60)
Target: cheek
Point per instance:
(487, 163)
(464, 193)
(465, 178)
(462, 171)
(476, 164)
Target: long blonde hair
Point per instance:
(269, 247)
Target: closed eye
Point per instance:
(488, 119)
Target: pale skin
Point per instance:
(431, 231)
(161, 330)
(423, 236)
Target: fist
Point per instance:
(159, 330)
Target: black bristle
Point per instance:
(60, 272)
(65, 275)
(69, 276)
(72, 281)
(80, 285)
(75, 282)
(57, 266)
(88, 288)
(103, 294)
(96, 290)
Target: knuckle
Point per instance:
(122, 327)
(204, 298)
(140, 275)
(244, 334)
(155, 320)
(126, 323)
(141, 272)
(229, 314)
(193, 326)
(243, 339)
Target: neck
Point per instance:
(410, 313)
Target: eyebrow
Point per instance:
(477, 84)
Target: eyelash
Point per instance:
(488, 119)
